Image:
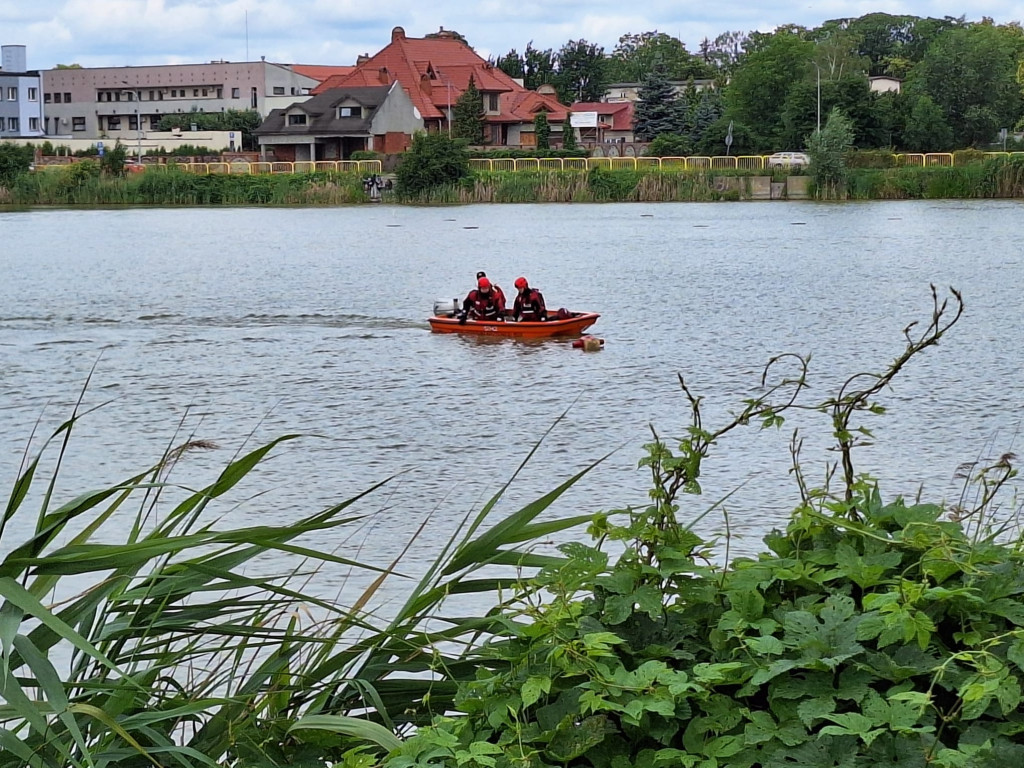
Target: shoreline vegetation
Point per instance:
(994, 178)
(866, 632)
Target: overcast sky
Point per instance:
(133, 32)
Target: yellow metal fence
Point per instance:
(507, 164)
(342, 166)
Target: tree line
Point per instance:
(961, 83)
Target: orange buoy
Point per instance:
(588, 343)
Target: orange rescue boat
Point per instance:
(573, 325)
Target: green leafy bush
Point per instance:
(528, 153)
(870, 158)
(867, 633)
(432, 161)
(670, 145)
(15, 160)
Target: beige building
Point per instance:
(118, 102)
(885, 84)
(617, 92)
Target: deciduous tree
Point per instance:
(760, 85)
(512, 64)
(582, 72)
(433, 160)
(828, 148)
(971, 74)
(636, 55)
(926, 129)
(538, 67)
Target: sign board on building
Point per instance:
(583, 119)
(99, 148)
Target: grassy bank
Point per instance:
(81, 184)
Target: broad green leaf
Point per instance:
(769, 646)
(533, 688)
(812, 710)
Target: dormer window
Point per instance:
(350, 111)
(431, 73)
(298, 119)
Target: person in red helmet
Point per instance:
(482, 303)
(529, 304)
(497, 290)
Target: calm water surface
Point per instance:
(244, 324)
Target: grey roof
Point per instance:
(322, 113)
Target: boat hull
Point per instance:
(570, 326)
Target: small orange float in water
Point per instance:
(588, 343)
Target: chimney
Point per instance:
(362, 58)
(13, 58)
(397, 34)
(384, 76)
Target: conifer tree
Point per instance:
(709, 109)
(657, 109)
(542, 130)
(468, 114)
(568, 134)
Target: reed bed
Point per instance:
(161, 648)
(79, 185)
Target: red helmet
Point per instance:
(483, 282)
(521, 282)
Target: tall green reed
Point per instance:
(169, 653)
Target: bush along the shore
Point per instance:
(868, 633)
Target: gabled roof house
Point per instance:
(614, 120)
(435, 70)
(339, 121)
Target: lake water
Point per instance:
(244, 324)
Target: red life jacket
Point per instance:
(483, 306)
(529, 306)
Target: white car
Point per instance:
(788, 160)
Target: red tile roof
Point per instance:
(615, 115)
(320, 71)
(435, 71)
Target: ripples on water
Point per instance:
(245, 324)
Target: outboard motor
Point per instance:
(447, 307)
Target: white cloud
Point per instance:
(117, 32)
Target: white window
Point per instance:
(350, 111)
(236, 93)
(33, 123)
(279, 90)
(296, 119)
(78, 123)
(12, 124)
(113, 123)
(12, 94)
(33, 94)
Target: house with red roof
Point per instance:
(435, 70)
(602, 122)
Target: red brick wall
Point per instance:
(391, 143)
